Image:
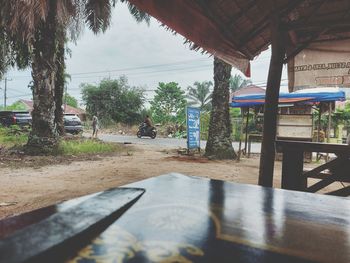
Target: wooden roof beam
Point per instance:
(314, 37)
(318, 24)
(223, 28)
(292, 34)
(264, 23)
(333, 38)
(302, 46)
(243, 12)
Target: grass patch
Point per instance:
(10, 137)
(15, 139)
(76, 147)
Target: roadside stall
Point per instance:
(295, 119)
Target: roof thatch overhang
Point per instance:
(239, 30)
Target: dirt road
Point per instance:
(28, 188)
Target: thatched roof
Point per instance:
(238, 30)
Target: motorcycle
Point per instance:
(144, 130)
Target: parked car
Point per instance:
(20, 118)
(72, 124)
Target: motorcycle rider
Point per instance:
(148, 123)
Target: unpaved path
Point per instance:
(30, 188)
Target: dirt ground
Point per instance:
(25, 189)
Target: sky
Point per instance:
(146, 55)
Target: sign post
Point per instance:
(193, 128)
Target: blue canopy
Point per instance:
(288, 98)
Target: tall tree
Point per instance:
(200, 95)
(36, 25)
(60, 80)
(43, 137)
(237, 82)
(219, 144)
(169, 103)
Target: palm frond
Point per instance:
(98, 14)
(138, 14)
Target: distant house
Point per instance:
(249, 90)
(68, 109)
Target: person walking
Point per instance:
(94, 126)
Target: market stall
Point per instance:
(299, 121)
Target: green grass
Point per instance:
(8, 138)
(12, 137)
(76, 147)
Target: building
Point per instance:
(68, 109)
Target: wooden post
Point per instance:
(329, 126)
(318, 129)
(319, 123)
(246, 132)
(292, 170)
(329, 122)
(240, 137)
(267, 157)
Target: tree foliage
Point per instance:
(18, 105)
(169, 103)
(237, 82)
(71, 101)
(114, 100)
(200, 95)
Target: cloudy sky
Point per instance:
(145, 54)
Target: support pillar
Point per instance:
(246, 133)
(267, 157)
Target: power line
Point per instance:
(19, 96)
(128, 69)
(149, 72)
(140, 67)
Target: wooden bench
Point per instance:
(295, 178)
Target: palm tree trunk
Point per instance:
(59, 84)
(43, 137)
(219, 144)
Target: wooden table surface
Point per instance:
(190, 219)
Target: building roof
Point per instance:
(239, 30)
(309, 97)
(248, 90)
(69, 109)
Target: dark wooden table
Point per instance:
(293, 175)
(190, 219)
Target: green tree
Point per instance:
(15, 106)
(113, 100)
(219, 144)
(37, 25)
(237, 82)
(169, 103)
(71, 101)
(200, 95)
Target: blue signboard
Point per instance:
(193, 127)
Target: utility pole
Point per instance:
(5, 95)
(5, 92)
(65, 99)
